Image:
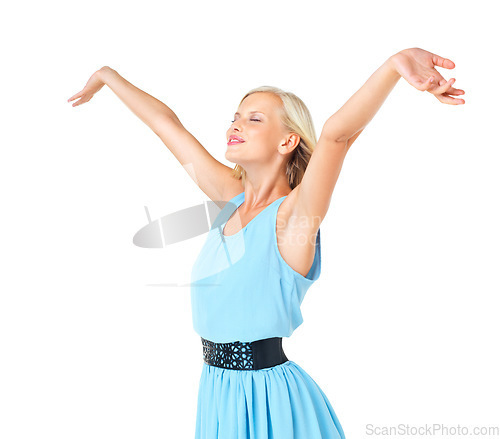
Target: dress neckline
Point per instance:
(239, 232)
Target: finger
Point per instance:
(446, 99)
(424, 85)
(443, 87)
(455, 91)
(452, 90)
(75, 96)
(79, 102)
(442, 62)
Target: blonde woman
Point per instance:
(263, 250)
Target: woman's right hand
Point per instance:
(94, 84)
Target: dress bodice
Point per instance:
(241, 287)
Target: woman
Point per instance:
(263, 251)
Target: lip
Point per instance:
(235, 140)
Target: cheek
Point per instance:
(265, 139)
(264, 134)
(264, 149)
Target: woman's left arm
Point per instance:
(417, 66)
(339, 132)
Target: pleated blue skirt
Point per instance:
(279, 402)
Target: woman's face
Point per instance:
(257, 122)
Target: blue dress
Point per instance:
(243, 290)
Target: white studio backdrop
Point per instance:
(96, 337)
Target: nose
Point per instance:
(234, 130)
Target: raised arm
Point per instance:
(207, 172)
(343, 128)
(362, 106)
(416, 66)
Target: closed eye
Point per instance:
(256, 120)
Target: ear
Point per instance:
(292, 141)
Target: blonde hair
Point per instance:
(297, 119)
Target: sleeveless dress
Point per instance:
(243, 290)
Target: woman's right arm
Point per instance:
(213, 177)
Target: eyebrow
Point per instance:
(251, 112)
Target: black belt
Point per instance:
(241, 355)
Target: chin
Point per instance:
(228, 156)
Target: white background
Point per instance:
(401, 327)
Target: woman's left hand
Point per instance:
(417, 67)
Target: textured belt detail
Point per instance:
(241, 355)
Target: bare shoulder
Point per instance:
(296, 235)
